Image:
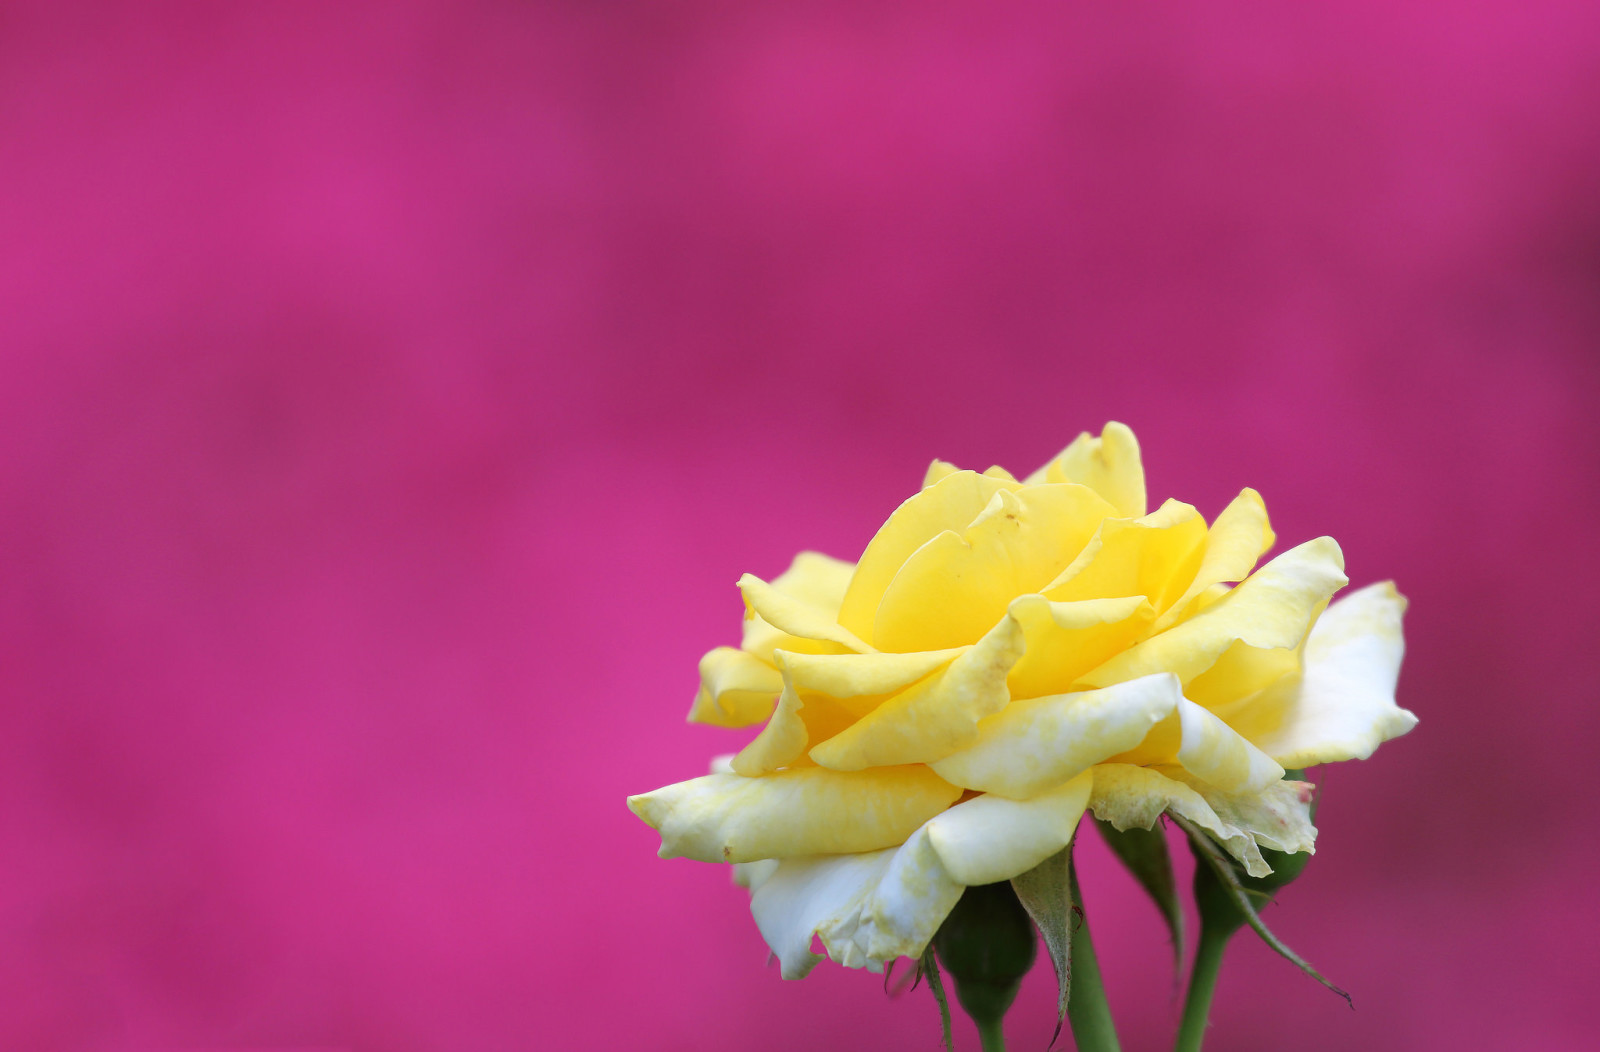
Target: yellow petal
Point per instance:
(1109, 465)
(953, 588)
(1218, 755)
(736, 689)
(1239, 537)
(1065, 640)
(1271, 609)
(934, 717)
(1031, 746)
(1344, 706)
(990, 838)
(857, 675)
(1242, 673)
(868, 908)
(1278, 817)
(1154, 555)
(817, 579)
(805, 811)
(937, 470)
(822, 695)
(951, 503)
(762, 640)
(782, 741)
(795, 616)
(1207, 599)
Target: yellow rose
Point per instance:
(1004, 656)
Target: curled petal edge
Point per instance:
(1277, 817)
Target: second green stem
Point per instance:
(1202, 985)
(1092, 1027)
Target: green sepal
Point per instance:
(1144, 853)
(1045, 891)
(929, 966)
(1225, 900)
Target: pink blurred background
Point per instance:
(391, 397)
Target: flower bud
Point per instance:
(986, 945)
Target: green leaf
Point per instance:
(1046, 893)
(1144, 853)
(1234, 895)
(930, 968)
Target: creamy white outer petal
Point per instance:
(1033, 745)
(1277, 817)
(1221, 756)
(1344, 705)
(868, 908)
(754, 874)
(794, 812)
(749, 875)
(804, 894)
(990, 838)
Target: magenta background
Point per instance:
(391, 398)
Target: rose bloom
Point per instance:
(1004, 656)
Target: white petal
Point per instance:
(868, 908)
(1219, 755)
(1032, 745)
(754, 874)
(990, 838)
(1344, 706)
(802, 894)
(802, 811)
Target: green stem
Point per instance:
(1202, 985)
(992, 1034)
(1092, 1027)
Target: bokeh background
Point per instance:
(391, 395)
